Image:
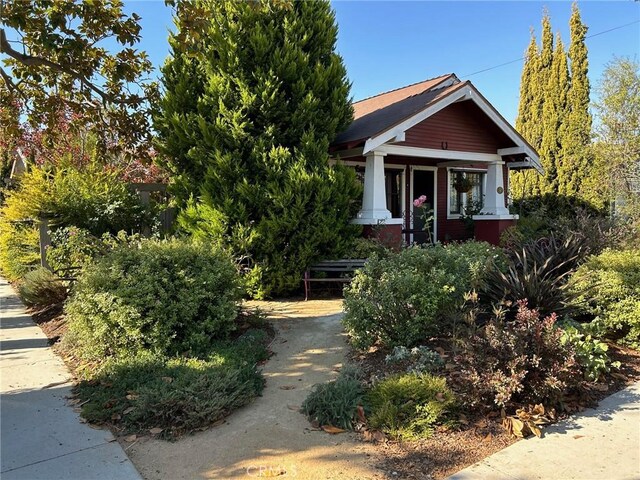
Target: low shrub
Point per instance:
(177, 395)
(335, 403)
(405, 297)
(41, 288)
(419, 359)
(367, 247)
(613, 282)
(73, 247)
(166, 297)
(539, 273)
(408, 406)
(591, 353)
(517, 363)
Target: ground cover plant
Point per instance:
(156, 335)
(336, 403)
(408, 406)
(404, 297)
(172, 396)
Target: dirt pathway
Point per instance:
(269, 435)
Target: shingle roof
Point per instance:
(365, 106)
(376, 114)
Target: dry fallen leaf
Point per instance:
(295, 408)
(155, 430)
(361, 416)
(116, 416)
(578, 436)
(331, 429)
(463, 420)
(167, 379)
(127, 411)
(374, 436)
(132, 396)
(287, 387)
(131, 438)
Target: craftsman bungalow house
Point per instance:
(439, 138)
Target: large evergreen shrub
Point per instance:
(254, 94)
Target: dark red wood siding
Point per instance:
(462, 127)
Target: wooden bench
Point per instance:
(341, 270)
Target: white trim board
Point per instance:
(466, 92)
(439, 154)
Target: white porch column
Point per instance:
(374, 198)
(494, 198)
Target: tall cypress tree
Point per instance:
(528, 120)
(576, 164)
(553, 123)
(252, 101)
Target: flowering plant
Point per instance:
(426, 213)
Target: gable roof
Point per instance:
(382, 118)
(376, 102)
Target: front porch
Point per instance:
(394, 177)
(439, 139)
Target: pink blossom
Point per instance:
(418, 202)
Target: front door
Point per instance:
(423, 183)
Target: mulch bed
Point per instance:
(477, 436)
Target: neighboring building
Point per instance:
(440, 138)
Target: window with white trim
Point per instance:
(466, 191)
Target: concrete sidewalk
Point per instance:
(41, 436)
(599, 444)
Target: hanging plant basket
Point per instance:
(463, 185)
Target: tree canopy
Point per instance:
(55, 63)
(254, 93)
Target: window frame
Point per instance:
(450, 170)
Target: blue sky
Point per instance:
(389, 44)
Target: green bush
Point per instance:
(178, 395)
(41, 288)
(517, 363)
(77, 247)
(612, 280)
(405, 297)
(408, 406)
(591, 353)
(167, 297)
(335, 403)
(19, 248)
(539, 273)
(90, 198)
